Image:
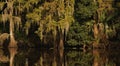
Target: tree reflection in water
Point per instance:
(4, 59)
(78, 58)
(50, 57)
(13, 52)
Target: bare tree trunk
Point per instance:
(95, 27)
(96, 58)
(12, 39)
(95, 31)
(61, 43)
(11, 25)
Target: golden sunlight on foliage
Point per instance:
(3, 37)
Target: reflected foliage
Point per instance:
(78, 58)
(47, 57)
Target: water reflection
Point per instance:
(13, 52)
(47, 57)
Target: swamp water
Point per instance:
(50, 57)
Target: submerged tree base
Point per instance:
(13, 44)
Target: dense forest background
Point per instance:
(59, 23)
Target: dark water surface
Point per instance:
(50, 57)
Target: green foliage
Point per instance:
(80, 34)
(49, 18)
(81, 31)
(72, 42)
(85, 9)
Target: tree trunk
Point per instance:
(96, 58)
(61, 48)
(11, 25)
(61, 43)
(95, 31)
(12, 39)
(100, 57)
